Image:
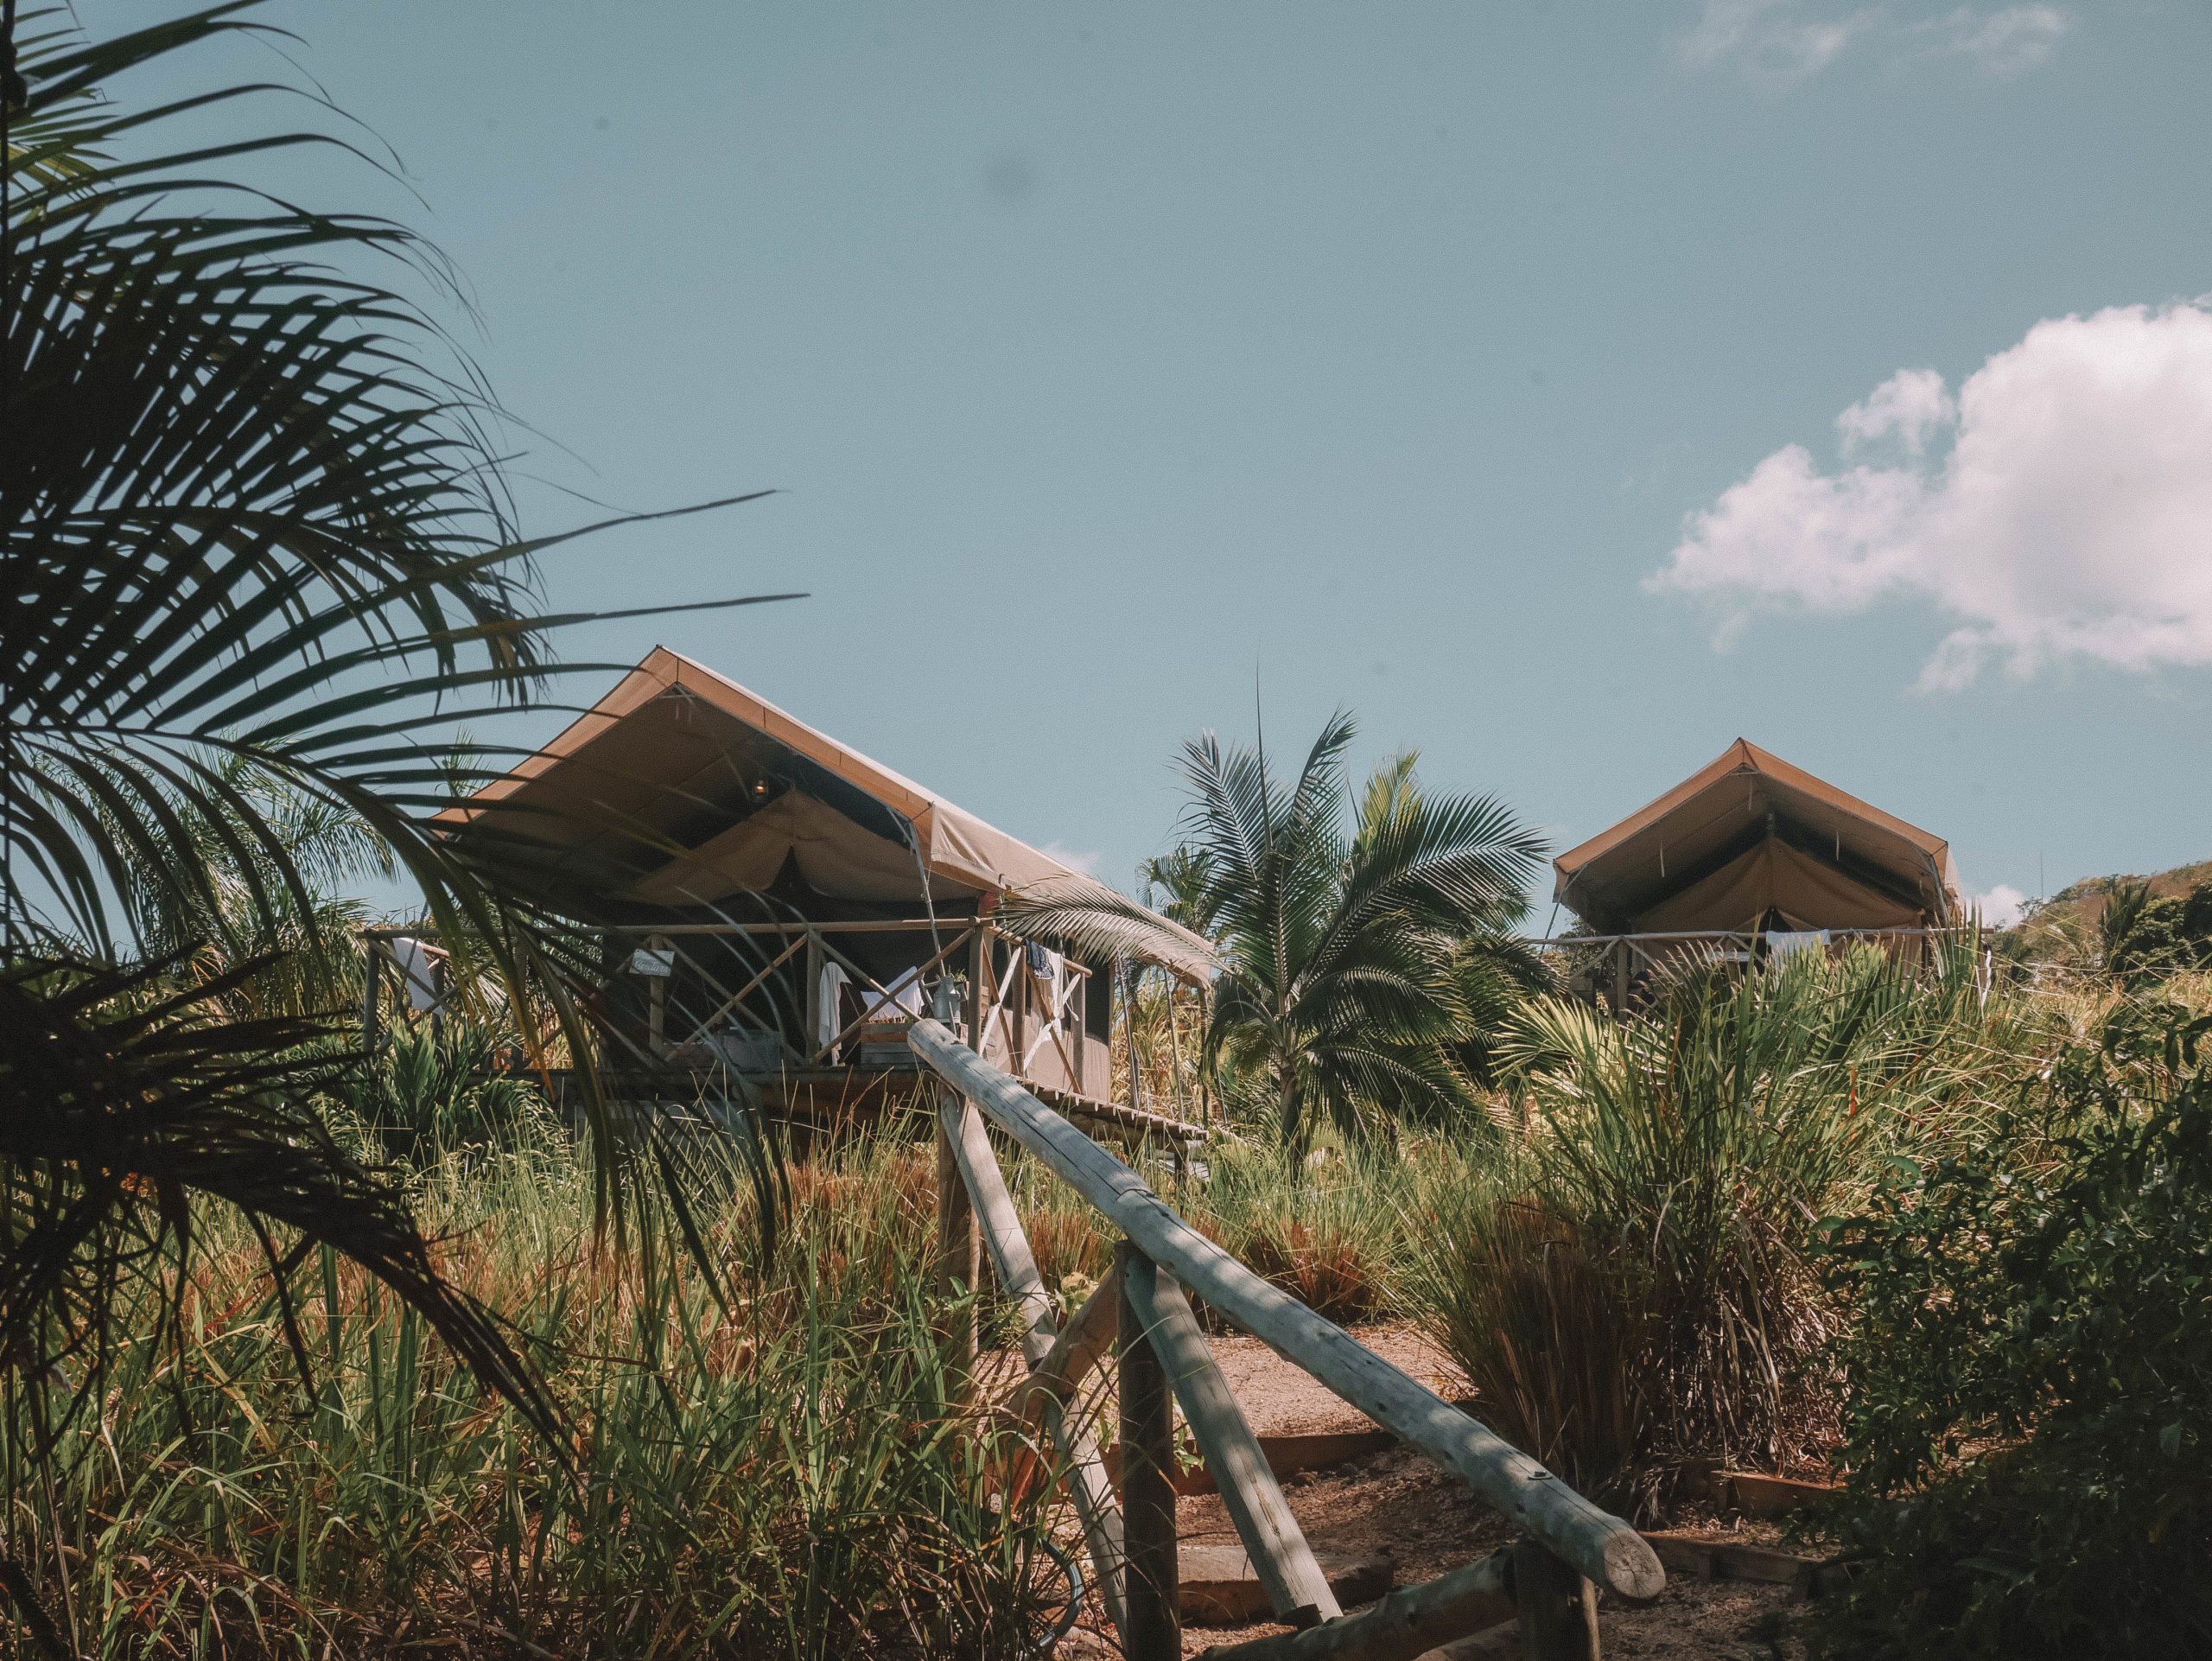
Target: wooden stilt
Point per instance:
(1558, 1607)
(372, 985)
(1152, 1585)
(959, 1264)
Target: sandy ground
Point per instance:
(1400, 1505)
(1280, 1400)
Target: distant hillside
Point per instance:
(2066, 928)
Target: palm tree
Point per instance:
(257, 550)
(1348, 952)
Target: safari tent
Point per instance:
(775, 904)
(1749, 850)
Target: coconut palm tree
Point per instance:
(257, 553)
(1349, 938)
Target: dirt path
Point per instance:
(1400, 1505)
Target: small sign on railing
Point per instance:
(660, 964)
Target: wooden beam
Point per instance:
(1151, 1586)
(961, 1127)
(867, 1015)
(1410, 1622)
(1297, 1589)
(738, 996)
(1558, 1607)
(1598, 1544)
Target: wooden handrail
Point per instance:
(1598, 1545)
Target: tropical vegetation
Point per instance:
(310, 1347)
(1363, 945)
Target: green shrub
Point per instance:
(2145, 936)
(1328, 1230)
(430, 1092)
(2030, 1402)
(1628, 1288)
(1552, 1344)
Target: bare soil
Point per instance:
(1401, 1504)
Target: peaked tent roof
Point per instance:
(1693, 859)
(680, 788)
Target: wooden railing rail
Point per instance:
(1570, 1541)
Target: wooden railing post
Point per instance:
(1092, 1331)
(959, 1260)
(1297, 1589)
(1152, 1582)
(1558, 1607)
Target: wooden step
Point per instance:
(1285, 1454)
(1219, 1587)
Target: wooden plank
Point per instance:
(1219, 1587)
(1558, 1607)
(1408, 1623)
(1598, 1545)
(1151, 1581)
(1758, 1494)
(961, 1127)
(1734, 1560)
(1085, 1108)
(1297, 1589)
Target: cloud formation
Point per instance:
(2001, 907)
(1771, 43)
(2000, 43)
(1778, 43)
(2070, 518)
(1075, 859)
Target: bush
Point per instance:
(1629, 1288)
(1329, 1230)
(1537, 1322)
(431, 1092)
(2030, 1404)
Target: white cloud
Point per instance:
(1778, 43)
(2070, 518)
(2001, 907)
(2000, 43)
(1074, 859)
(1770, 41)
(1912, 403)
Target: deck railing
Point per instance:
(1570, 1547)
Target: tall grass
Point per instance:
(1330, 1231)
(768, 1460)
(781, 1476)
(1628, 1286)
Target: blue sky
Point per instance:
(1444, 361)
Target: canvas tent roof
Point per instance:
(1750, 834)
(680, 789)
